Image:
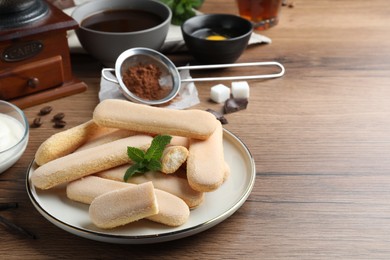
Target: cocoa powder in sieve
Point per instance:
(143, 81)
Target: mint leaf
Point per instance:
(182, 9)
(157, 147)
(149, 160)
(133, 169)
(154, 165)
(135, 154)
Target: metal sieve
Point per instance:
(170, 76)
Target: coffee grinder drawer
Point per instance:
(31, 78)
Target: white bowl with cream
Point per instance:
(14, 133)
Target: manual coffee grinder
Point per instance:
(35, 62)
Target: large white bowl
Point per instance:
(14, 133)
(107, 46)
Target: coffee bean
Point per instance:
(37, 122)
(45, 110)
(58, 116)
(59, 124)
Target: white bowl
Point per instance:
(14, 133)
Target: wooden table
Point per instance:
(319, 136)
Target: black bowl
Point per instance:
(237, 31)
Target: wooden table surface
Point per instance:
(319, 136)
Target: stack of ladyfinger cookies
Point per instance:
(91, 160)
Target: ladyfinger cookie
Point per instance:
(122, 114)
(65, 142)
(121, 210)
(205, 163)
(79, 164)
(106, 138)
(166, 182)
(173, 157)
(173, 211)
(180, 141)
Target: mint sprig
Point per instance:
(149, 160)
(182, 9)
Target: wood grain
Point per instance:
(319, 137)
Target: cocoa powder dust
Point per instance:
(143, 81)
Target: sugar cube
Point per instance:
(240, 89)
(219, 93)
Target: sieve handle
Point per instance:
(111, 78)
(249, 64)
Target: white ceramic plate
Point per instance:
(218, 205)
